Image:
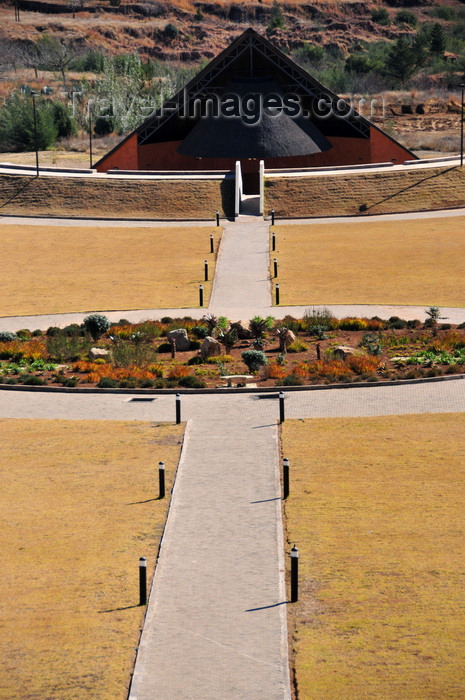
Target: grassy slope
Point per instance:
(161, 199)
(54, 269)
(79, 509)
(396, 262)
(377, 512)
(382, 193)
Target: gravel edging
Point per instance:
(228, 390)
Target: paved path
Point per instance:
(242, 274)
(367, 400)
(216, 624)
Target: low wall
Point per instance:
(376, 192)
(116, 198)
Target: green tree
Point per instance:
(64, 122)
(358, 63)
(17, 132)
(277, 18)
(438, 39)
(405, 58)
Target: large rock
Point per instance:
(98, 353)
(289, 338)
(242, 333)
(209, 348)
(179, 335)
(343, 351)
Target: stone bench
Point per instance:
(238, 378)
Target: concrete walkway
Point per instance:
(367, 400)
(216, 623)
(242, 274)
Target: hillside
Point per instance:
(204, 28)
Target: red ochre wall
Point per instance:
(124, 157)
(384, 149)
(164, 156)
(379, 148)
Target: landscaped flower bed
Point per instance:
(317, 349)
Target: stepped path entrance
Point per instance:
(216, 622)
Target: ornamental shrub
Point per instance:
(290, 380)
(200, 331)
(70, 382)
(96, 325)
(32, 380)
(353, 324)
(214, 359)
(297, 346)
(23, 333)
(107, 383)
(178, 371)
(397, 323)
(6, 336)
(254, 359)
(318, 318)
(73, 329)
(192, 382)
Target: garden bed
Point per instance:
(322, 350)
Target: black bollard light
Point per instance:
(272, 217)
(277, 293)
(294, 574)
(178, 409)
(275, 267)
(161, 480)
(285, 477)
(273, 241)
(205, 268)
(281, 406)
(200, 294)
(142, 581)
(212, 244)
(217, 218)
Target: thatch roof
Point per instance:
(273, 136)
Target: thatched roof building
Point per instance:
(252, 102)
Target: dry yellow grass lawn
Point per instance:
(376, 509)
(54, 159)
(417, 262)
(79, 508)
(54, 269)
